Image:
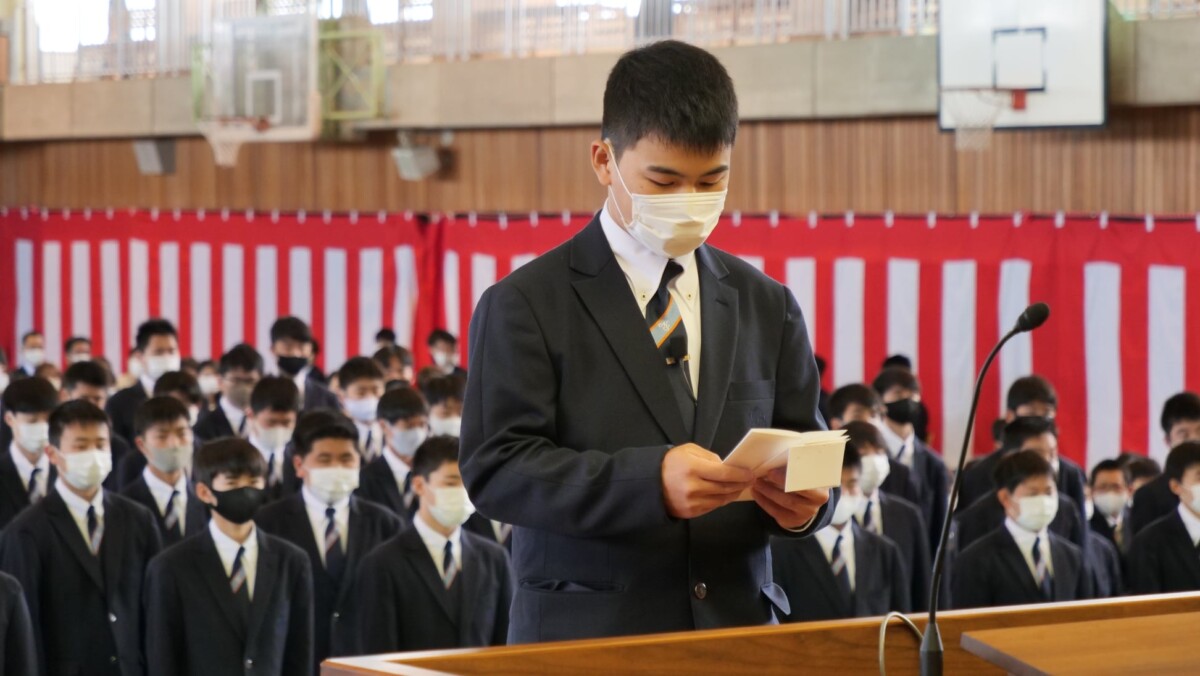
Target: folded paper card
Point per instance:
(812, 459)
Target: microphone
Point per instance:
(677, 356)
(931, 643)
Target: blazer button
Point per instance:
(113, 659)
(249, 664)
(337, 616)
(701, 591)
(112, 618)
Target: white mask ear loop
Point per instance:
(612, 155)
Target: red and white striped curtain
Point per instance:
(1124, 292)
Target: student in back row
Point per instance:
(1165, 556)
(164, 439)
(387, 480)
(292, 345)
(26, 474)
(1180, 423)
(239, 370)
(336, 529)
(233, 599)
(361, 386)
(435, 585)
(158, 343)
(80, 554)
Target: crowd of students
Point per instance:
(225, 517)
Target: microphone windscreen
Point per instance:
(1034, 316)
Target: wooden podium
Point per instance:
(840, 648)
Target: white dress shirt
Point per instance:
(234, 415)
(1025, 540)
(25, 469)
(147, 384)
(399, 469)
(899, 448)
(227, 549)
(301, 379)
(370, 439)
(277, 468)
(316, 517)
(1191, 522)
(828, 536)
(876, 512)
(435, 542)
(162, 490)
(79, 508)
(643, 270)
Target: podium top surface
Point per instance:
(1155, 644)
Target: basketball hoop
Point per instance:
(973, 114)
(227, 135)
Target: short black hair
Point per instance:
(243, 357)
(291, 328)
(230, 456)
(358, 368)
(895, 376)
(30, 395)
(75, 340)
(189, 364)
(384, 356)
(855, 393)
(1182, 458)
(1023, 428)
(401, 404)
(1141, 467)
(439, 390)
(851, 457)
(1110, 465)
(899, 360)
(154, 327)
(441, 336)
(1182, 407)
(313, 421)
(275, 393)
(864, 434)
(433, 453)
(158, 410)
(31, 334)
(182, 383)
(77, 412)
(207, 363)
(385, 334)
(85, 373)
(1031, 390)
(673, 92)
(1015, 468)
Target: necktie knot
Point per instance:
(330, 513)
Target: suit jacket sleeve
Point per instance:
(20, 558)
(969, 585)
(298, 652)
(165, 649)
(19, 656)
(379, 610)
(797, 394)
(1144, 577)
(500, 633)
(901, 597)
(515, 470)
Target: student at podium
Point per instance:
(609, 377)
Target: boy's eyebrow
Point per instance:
(673, 172)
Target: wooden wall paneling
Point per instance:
(800, 168)
(566, 179)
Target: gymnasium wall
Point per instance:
(1145, 160)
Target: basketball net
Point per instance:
(226, 136)
(973, 113)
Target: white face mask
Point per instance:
(362, 410)
(77, 357)
(134, 369)
(33, 358)
(332, 484)
(157, 365)
(209, 384)
(406, 442)
(444, 360)
(86, 470)
(449, 427)
(275, 438)
(33, 437)
(847, 507)
(1037, 511)
(875, 470)
(171, 458)
(451, 506)
(671, 225)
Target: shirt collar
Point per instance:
(1191, 522)
(233, 414)
(828, 536)
(227, 547)
(1024, 538)
(158, 487)
(434, 540)
(316, 506)
(22, 463)
(78, 505)
(147, 384)
(643, 266)
(399, 469)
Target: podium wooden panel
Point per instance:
(842, 647)
(1156, 644)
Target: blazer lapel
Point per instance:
(719, 327)
(606, 295)
(112, 546)
(68, 532)
(212, 571)
(1063, 573)
(1010, 554)
(422, 563)
(266, 573)
(1183, 547)
(472, 578)
(358, 535)
(822, 574)
(865, 570)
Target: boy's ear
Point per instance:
(298, 465)
(140, 442)
(1176, 488)
(10, 420)
(204, 494)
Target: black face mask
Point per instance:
(292, 365)
(240, 504)
(904, 411)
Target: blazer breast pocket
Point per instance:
(751, 390)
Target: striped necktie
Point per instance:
(335, 558)
(1045, 580)
(35, 493)
(841, 574)
(171, 518)
(95, 530)
(670, 337)
(237, 579)
(449, 569)
(868, 520)
(271, 480)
